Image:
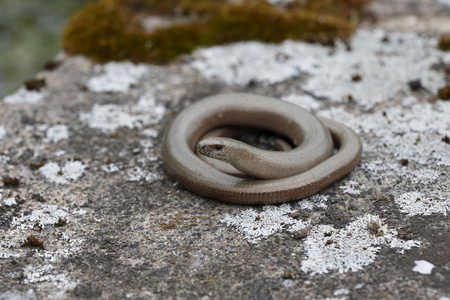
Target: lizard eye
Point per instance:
(218, 147)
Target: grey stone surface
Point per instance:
(92, 158)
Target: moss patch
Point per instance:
(35, 84)
(444, 93)
(33, 242)
(61, 222)
(11, 181)
(444, 43)
(113, 29)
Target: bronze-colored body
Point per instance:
(314, 140)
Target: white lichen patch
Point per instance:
(385, 68)
(146, 145)
(423, 267)
(110, 117)
(10, 201)
(352, 187)
(60, 153)
(254, 225)
(304, 101)
(417, 203)
(378, 167)
(341, 292)
(47, 216)
(5, 251)
(115, 77)
(348, 249)
(147, 104)
(236, 64)
(69, 247)
(148, 150)
(4, 159)
(48, 273)
(56, 133)
(18, 295)
(110, 168)
(415, 134)
(382, 169)
(150, 132)
(413, 202)
(24, 96)
(313, 202)
(2, 132)
(409, 101)
(71, 171)
(423, 176)
(7, 201)
(139, 174)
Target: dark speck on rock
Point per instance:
(415, 85)
(35, 84)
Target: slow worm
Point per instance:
(309, 167)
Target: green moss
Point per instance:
(111, 29)
(33, 242)
(37, 226)
(444, 43)
(444, 93)
(36, 165)
(99, 31)
(35, 84)
(11, 181)
(61, 222)
(356, 77)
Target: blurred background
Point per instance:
(30, 35)
(31, 30)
